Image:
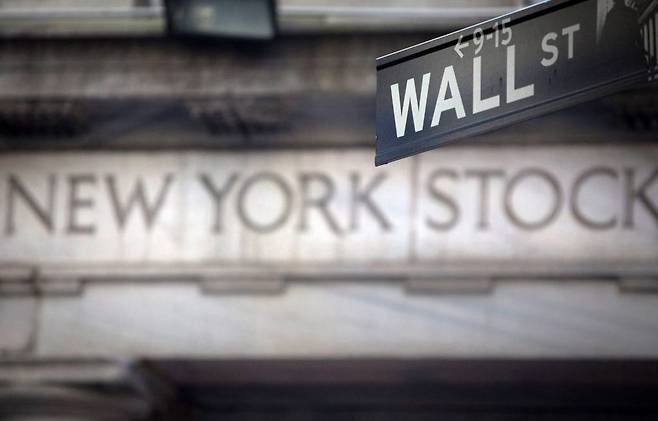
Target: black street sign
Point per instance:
(539, 59)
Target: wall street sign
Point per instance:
(505, 70)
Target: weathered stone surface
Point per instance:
(18, 319)
(518, 319)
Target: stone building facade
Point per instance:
(191, 229)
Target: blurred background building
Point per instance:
(192, 226)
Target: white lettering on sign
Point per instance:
(417, 104)
(548, 45)
(515, 94)
(411, 101)
(569, 32)
(449, 81)
(479, 104)
(414, 104)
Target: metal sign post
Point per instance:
(521, 65)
